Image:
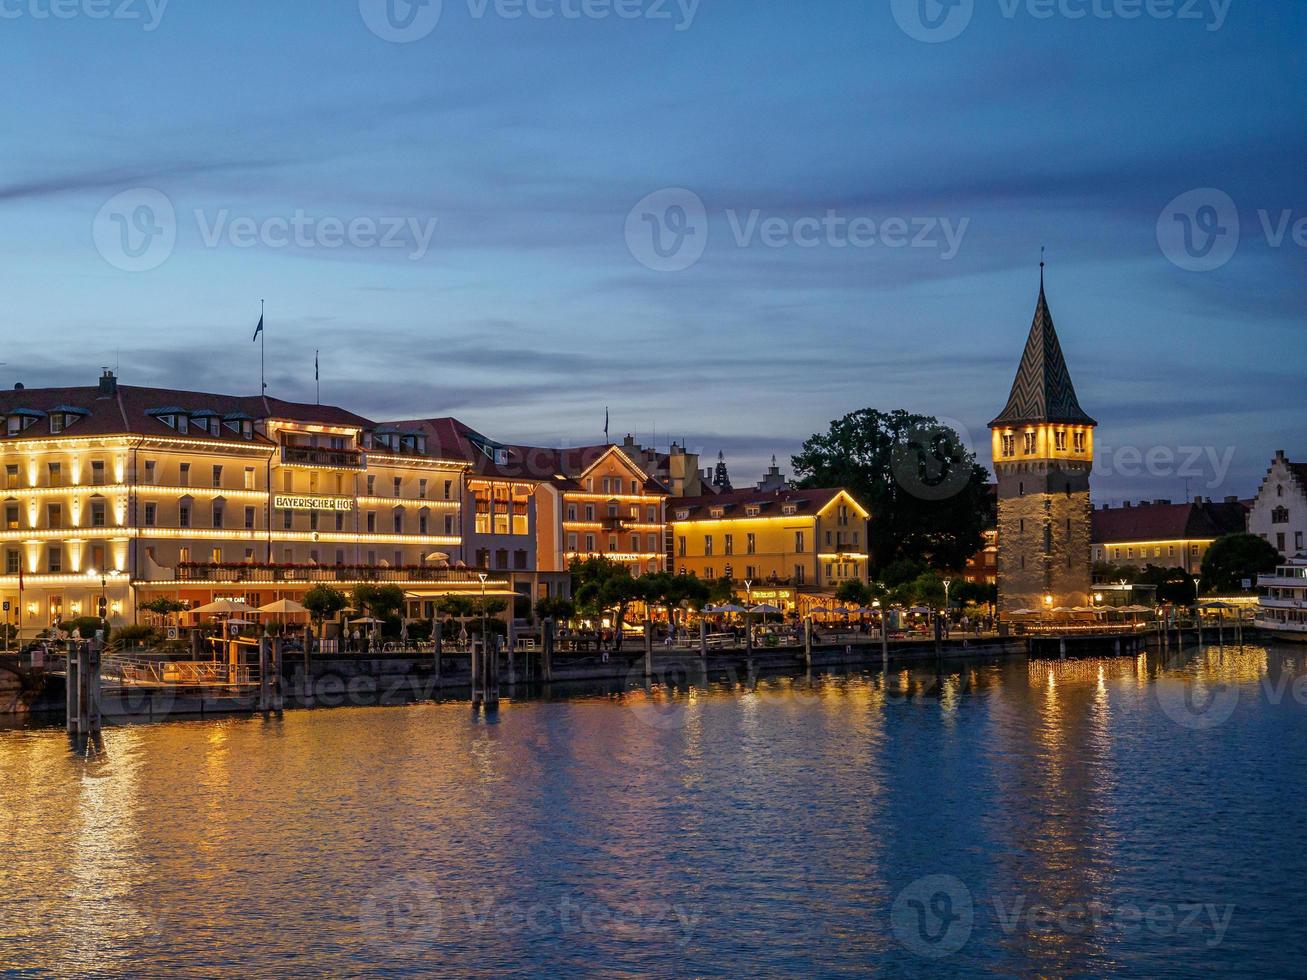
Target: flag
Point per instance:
(316, 375)
(259, 329)
(605, 423)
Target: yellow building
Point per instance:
(1159, 532)
(118, 494)
(789, 544)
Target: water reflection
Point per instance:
(763, 824)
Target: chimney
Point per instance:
(1199, 500)
(108, 384)
(19, 386)
(1279, 454)
(1232, 500)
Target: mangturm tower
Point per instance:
(1043, 453)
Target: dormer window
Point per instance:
(789, 510)
(752, 510)
(63, 417)
(682, 515)
(716, 511)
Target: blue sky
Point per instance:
(521, 145)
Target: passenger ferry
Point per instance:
(1282, 606)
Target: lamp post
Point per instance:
(482, 577)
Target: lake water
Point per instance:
(1129, 817)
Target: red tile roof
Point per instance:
(770, 503)
(1169, 522)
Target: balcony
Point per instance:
(309, 574)
(615, 523)
(340, 459)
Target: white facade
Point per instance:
(1279, 514)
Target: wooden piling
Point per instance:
(478, 690)
(72, 687)
(512, 652)
(491, 667)
(703, 643)
(547, 651)
(265, 674)
(648, 649)
(807, 642)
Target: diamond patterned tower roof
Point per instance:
(1042, 391)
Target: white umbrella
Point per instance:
(283, 607)
(764, 609)
(223, 607)
(730, 607)
(364, 621)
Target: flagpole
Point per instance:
(263, 354)
(317, 375)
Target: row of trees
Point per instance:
(1231, 561)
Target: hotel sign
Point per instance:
(286, 501)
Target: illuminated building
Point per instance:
(512, 499)
(1279, 512)
(133, 493)
(787, 543)
(1164, 534)
(610, 507)
(1043, 450)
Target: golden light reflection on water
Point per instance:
(787, 810)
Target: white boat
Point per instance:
(1282, 606)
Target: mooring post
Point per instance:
(492, 673)
(512, 651)
(884, 640)
(477, 692)
(437, 641)
(703, 642)
(1061, 647)
(547, 651)
(92, 672)
(648, 649)
(278, 691)
(807, 642)
(265, 673)
(72, 687)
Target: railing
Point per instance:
(272, 574)
(351, 459)
(174, 673)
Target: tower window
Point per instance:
(1078, 441)
(1059, 440)
(1029, 443)
(1009, 442)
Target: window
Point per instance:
(571, 542)
(449, 489)
(217, 476)
(184, 515)
(1280, 515)
(249, 518)
(799, 543)
(728, 545)
(1009, 444)
(54, 515)
(217, 513)
(287, 520)
(151, 514)
(97, 513)
(249, 478)
(97, 472)
(589, 543)
(12, 518)
(372, 485)
(399, 520)
(752, 544)
(12, 562)
(707, 545)
(1279, 542)
(11, 476)
(798, 574)
(589, 513)
(184, 475)
(449, 524)
(1079, 442)
(424, 521)
(372, 522)
(1297, 540)
(399, 483)
(340, 521)
(56, 474)
(680, 547)
(651, 516)
(612, 544)
(1059, 440)
(571, 512)
(422, 489)
(56, 423)
(55, 559)
(1029, 442)
(635, 544)
(652, 546)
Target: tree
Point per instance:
(974, 594)
(163, 606)
(1236, 557)
(379, 601)
(556, 608)
(928, 497)
(1174, 585)
(323, 603)
(599, 585)
(853, 593)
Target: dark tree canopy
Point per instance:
(928, 497)
(1236, 557)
